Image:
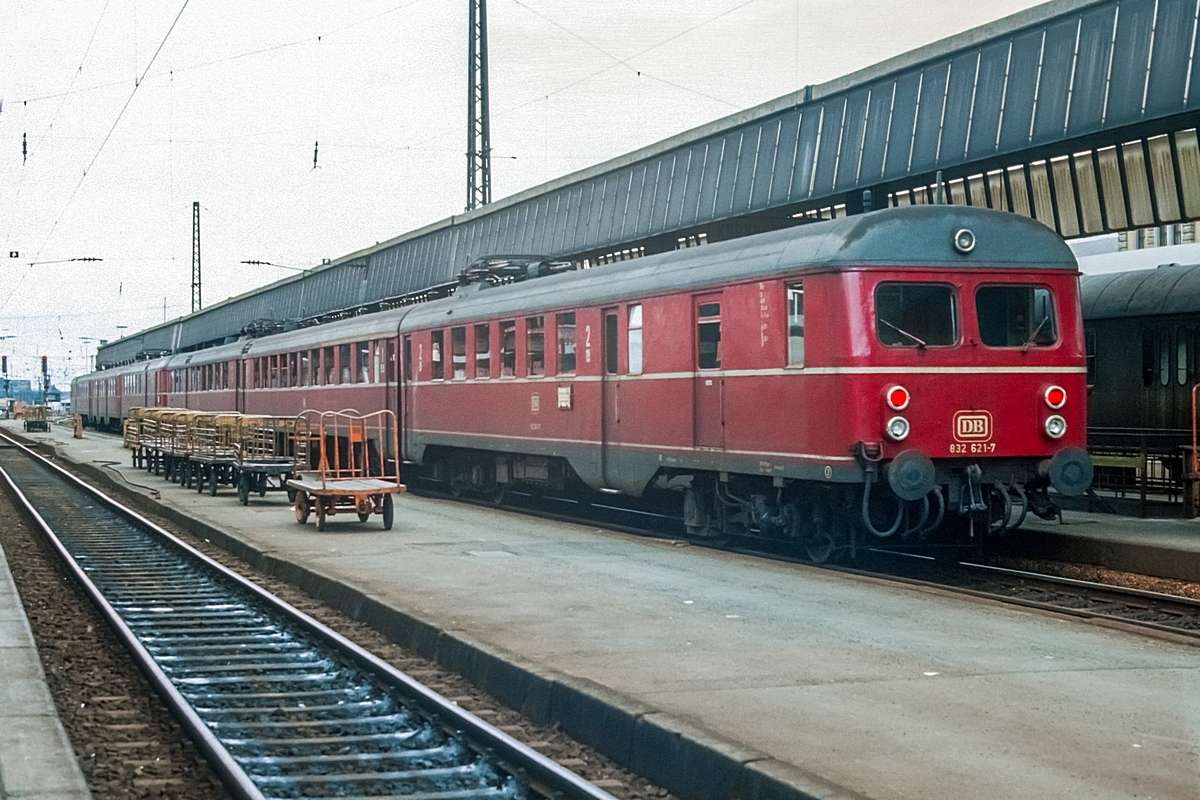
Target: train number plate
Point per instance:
(972, 448)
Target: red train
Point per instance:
(874, 376)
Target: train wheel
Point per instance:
(703, 516)
(301, 507)
(825, 534)
(389, 512)
(243, 490)
(320, 514)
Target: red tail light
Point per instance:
(897, 398)
(1056, 397)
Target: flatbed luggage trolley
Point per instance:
(37, 418)
(174, 443)
(357, 467)
(268, 453)
(131, 432)
(213, 450)
(156, 431)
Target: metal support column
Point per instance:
(196, 256)
(479, 148)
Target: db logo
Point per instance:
(972, 426)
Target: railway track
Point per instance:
(279, 704)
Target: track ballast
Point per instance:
(281, 705)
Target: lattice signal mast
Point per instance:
(479, 147)
(195, 256)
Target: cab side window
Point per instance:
(795, 323)
(708, 339)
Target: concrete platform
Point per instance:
(1165, 548)
(720, 675)
(36, 760)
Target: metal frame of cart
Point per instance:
(358, 469)
(213, 451)
(270, 451)
(37, 418)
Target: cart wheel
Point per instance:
(363, 517)
(168, 469)
(262, 485)
(212, 484)
(301, 507)
(320, 514)
(199, 479)
(243, 487)
(291, 494)
(389, 512)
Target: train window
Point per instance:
(915, 314)
(483, 351)
(610, 343)
(1147, 357)
(305, 368)
(329, 366)
(257, 374)
(293, 369)
(408, 368)
(345, 365)
(508, 349)
(795, 323)
(635, 339)
(363, 358)
(1089, 346)
(1015, 316)
(435, 355)
(458, 352)
(708, 339)
(389, 364)
(1164, 357)
(565, 323)
(1181, 357)
(535, 346)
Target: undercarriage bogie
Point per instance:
(492, 474)
(960, 506)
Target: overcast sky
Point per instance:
(131, 111)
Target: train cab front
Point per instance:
(981, 418)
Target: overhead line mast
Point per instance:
(196, 256)
(479, 147)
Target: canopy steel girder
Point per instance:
(1079, 113)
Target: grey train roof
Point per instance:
(916, 236)
(1170, 289)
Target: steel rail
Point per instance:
(497, 766)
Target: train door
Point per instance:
(163, 381)
(709, 391)
(610, 394)
(239, 386)
(406, 395)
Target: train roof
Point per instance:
(915, 236)
(1170, 289)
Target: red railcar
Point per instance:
(877, 375)
(869, 375)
